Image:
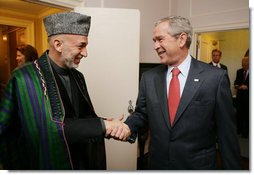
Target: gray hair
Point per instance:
(178, 25)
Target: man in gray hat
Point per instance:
(47, 120)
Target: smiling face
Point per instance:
(67, 50)
(171, 50)
(73, 50)
(20, 58)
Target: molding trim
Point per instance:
(49, 11)
(219, 27)
(29, 25)
(19, 14)
(60, 3)
(214, 28)
(222, 12)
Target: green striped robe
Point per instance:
(31, 120)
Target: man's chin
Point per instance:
(70, 64)
(163, 60)
(74, 66)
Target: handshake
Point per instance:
(115, 128)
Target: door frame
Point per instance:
(27, 24)
(60, 3)
(223, 27)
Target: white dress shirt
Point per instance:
(184, 68)
(216, 64)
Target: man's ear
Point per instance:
(182, 39)
(57, 45)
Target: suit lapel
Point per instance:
(161, 90)
(193, 82)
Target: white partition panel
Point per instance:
(111, 71)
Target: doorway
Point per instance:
(11, 36)
(21, 22)
(232, 43)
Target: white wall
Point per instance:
(213, 14)
(205, 15)
(150, 12)
(216, 15)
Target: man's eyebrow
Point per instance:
(83, 43)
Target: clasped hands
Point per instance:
(115, 128)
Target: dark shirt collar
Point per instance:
(58, 69)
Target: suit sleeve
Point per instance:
(226, 131)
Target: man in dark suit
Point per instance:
(216, 57)
(242, 98)
(205, 111)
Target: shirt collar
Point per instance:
(59, 70)
(183, 67)
(215, 64)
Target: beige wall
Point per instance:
(205, 15)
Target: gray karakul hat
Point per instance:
(67, 23)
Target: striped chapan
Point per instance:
(31, 120)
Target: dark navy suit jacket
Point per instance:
(205, 114)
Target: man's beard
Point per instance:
(69, 63)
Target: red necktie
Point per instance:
(173, 94)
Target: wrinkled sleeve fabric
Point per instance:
(82, 130)
(226, 130)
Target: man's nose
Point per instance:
(84, 52)
(156, 45)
